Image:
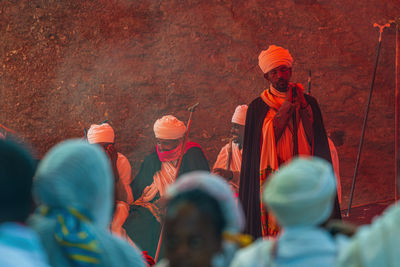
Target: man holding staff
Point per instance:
(157, 172)
(281, 124)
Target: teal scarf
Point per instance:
(74, 236)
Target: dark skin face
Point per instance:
(279, 77)
(237, 132)
(190, 237)
(167, 145)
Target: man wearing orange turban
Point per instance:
(281, 123)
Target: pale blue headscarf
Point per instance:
(74, 187)
(220, 190)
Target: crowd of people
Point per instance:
(271, 198)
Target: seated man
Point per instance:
(301, 197)
(19, 245)
(103, 135)
(74, 190)
(232, 151)
(157, 172)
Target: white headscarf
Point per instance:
(218, 189)
(76, 174)
(239, 116)
(273, 57)
(102, 133)
(169, 127)
(302, 192)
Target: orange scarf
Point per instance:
(272, 150)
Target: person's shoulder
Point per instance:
(122, 253)
(257, 101)
(122, 159)
(257, 254)
(195, 149)
(151, 157)
(310, 99)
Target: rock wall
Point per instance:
(68, 64)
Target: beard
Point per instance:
(281, 85)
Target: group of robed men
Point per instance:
(280, 124)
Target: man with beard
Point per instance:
(282, 123)
(232, 151)
(157, 173)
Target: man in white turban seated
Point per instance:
(103, 135)
(301, 196)
(156, 173)
(280, 124)
(229, 160)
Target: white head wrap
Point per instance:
(218, 189)
(102, 133)
(76, 174)
(169, 127)
(239, 116)
(273, 57)
(302, 192)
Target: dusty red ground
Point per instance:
(67, 64)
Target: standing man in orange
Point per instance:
(281, 123)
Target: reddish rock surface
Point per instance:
(67, 64)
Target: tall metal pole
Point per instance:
(396, 115)
(381, 27)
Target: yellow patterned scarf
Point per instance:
(73, 234)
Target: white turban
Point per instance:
(102, 133)
(218, 189)
(273, 57)
(239, 116)
(302, 192)
(169, 127)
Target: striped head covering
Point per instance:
(74, 185)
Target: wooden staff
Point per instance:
(381, 27)
(228, 163)
(397, 103)
(396, 150)
(7, 129)
(189, 123)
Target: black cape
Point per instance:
(141, 226)
(249, 189)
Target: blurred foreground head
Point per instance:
(16, 173)
(78, 175)
(200, 210)
(302, 192)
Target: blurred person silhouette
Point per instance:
(202, 222)
(375, 244)
(74, 188)
(301, 196)
(19, 245)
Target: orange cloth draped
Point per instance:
(275, 153)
